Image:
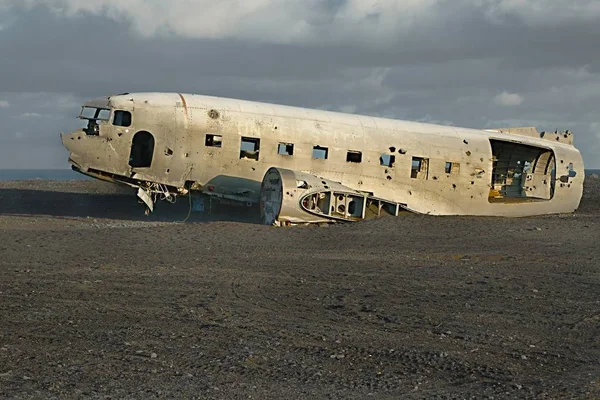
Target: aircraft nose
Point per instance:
(69, 140)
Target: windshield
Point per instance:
(93, 113)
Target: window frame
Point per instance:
(391, 160)
(321, 148)
(351, 153)
(256, 142)
(210, 138)
(122, 112)
(289, 149)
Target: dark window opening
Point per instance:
(285, 149)
(452, 168)
(353, 156)
(387, 160)
(419, 168)
(249, 148)
(213, 140)
(122, 118)
(142, 150)
(320, 153)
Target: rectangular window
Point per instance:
(122, 118)
(213, 140)
(249, 148)
(452, 168)
(320, 153)
(419, 168)
(387, 160)
(93, 113)
(354, 156)
(285, 149)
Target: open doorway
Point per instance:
(521, 172)
(142, 150)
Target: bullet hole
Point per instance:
(562, 161)
(392, 149)
(326, 187)
(481, 159)
(435, 178)
(78, 137)
(214, 114)
(389, 178)
(168, 170)
(468, 153)
(454, 186)
(253, 169)
(402, 151)
(168, 152)
(472, 182)
(120, 134)
(410, 193)
(465, 141)
(275, 128)
(187, 154)
(324, 183)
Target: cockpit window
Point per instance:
(93, 115)
(102, 114)
(122, 118)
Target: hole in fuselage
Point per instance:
(142, 150)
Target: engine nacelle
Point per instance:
(288, 197)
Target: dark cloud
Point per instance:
(449, 71)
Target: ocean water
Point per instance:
(40, 174)
(67, 174)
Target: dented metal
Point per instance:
(328, 166)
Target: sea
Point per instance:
(41, 174)
(68, 174)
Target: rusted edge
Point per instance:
(184, 105)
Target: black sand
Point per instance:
(99, 301)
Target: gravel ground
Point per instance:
(99, 301)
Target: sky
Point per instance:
(471, 63)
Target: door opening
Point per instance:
(142, 150)
(521, 172)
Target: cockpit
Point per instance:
(93, 115)
(97, 114)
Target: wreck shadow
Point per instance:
(116, 206)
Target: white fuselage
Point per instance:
(225, 146)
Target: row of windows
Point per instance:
(250, 148)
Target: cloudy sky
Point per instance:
(474, 63)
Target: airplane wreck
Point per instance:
(312, 166)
